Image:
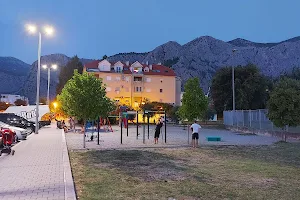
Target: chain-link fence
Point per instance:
(254, 119)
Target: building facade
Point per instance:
(11, 98)
(134, 83)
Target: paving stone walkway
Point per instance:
(39, 169)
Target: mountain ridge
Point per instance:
(200, 57)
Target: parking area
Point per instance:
(176, 136)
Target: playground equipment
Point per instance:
(105, 123)
(213, 138)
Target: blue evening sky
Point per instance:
(92, 28)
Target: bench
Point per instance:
(213, 138)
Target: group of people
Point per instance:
(195, 127)
(62, 124)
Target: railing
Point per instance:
(254, 119)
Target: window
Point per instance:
(117, 89)
(148, 90)
(118, 78)
(108, 78)
(108, 89)
(127, 79)
(118, 69)
(137, 79)
(138, 89)
(160, 90)
(148, 80)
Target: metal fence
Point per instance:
(254, 119)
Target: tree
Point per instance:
(4, 106)
(284, 103)
(84, 97)
(194, 102)
(20, 102)
(67, 71)
(251, 88)
(104, 57)
(43, 100)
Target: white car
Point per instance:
(21, 134)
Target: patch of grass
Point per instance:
(265, 172)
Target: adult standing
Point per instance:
(195, 136)
(157, 131)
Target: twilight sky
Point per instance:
(92, 28)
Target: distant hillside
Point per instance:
(13, 73)
(200, 57)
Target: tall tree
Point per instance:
(67, 72)
(284, 103)
(194, 102)
(20, 102)
(251, 88)
(84, 97)
(43, 100)
(4, 105)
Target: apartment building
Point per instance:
(134, 83)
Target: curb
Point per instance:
(70, 193)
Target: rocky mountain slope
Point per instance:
(29, 88)
(13, 73)
(201, 58)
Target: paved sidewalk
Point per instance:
(39, 169)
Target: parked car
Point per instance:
(17, 121)
(21, 134)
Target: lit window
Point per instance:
(148, 80)
(127, 79)
(118, 78)
(108, 89)
(148, 90)
(108, 78)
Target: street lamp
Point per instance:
(48, 91)
(47, 30)
(233, 91)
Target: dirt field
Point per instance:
(228, 172)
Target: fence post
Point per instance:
(250, 118)
(259, 117)
(243, 114)
(137, 124)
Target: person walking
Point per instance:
(195, 136)
(157, 131)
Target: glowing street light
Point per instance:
(54, 67)
(47, 30)
(55, 104)
(31, 28)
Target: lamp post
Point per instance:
(48, 30)
(233, 91)
(48, 91)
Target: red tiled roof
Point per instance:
(156, 69)
(92, 65)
